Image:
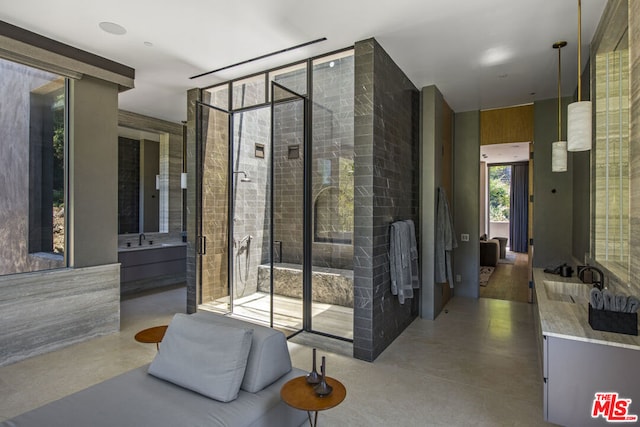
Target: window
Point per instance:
(499, 193)
(32, 173)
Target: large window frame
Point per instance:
(35, 161)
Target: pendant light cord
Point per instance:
(559, 94)
(559, 45)
(579, 50)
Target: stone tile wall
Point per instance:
(386, 190)
(215, 206)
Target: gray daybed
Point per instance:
(236, 368)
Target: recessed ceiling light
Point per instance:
(148, 44)
(112, 28)
(496, 56)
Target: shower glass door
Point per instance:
(250, 204)
(289, 226)
(212, 207)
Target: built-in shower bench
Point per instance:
(330, 285)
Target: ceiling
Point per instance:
(504, 153)
(480, 54)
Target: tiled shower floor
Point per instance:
(287, 313)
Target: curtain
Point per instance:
(519, 211)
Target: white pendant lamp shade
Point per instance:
(183, 180)
(559, 156)
(559, 148)
(579, 126)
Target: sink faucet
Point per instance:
(140, 237)
(596, 283)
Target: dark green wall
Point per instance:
(93, 169)
(430, 152)
(582, 187)
(553, 191)
(466, 202)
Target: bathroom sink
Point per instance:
(574, 293)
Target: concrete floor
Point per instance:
(475, 365)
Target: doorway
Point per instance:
(504, 222)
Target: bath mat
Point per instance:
(485, 274)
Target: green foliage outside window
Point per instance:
(58, 150)
(499, 192)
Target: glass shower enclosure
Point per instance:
(275, 197)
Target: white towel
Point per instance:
(403, 260)
(415, 273)
(445, 240)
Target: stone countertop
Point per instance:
(570, 320)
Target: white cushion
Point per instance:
(269, 357)
(207, 358)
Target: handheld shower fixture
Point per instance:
(246, 177)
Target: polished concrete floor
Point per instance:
(476, 364)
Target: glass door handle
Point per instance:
(202, 245)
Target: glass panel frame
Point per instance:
(332, 194)
(249, 92)
(289, 211)
(212, 208)
(293, 77)
(217, 96)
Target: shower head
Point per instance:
(245, 178)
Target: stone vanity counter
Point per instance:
(579, 363)
(147, 246)
(571, 320)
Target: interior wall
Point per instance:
(553, 191)
(193, 96)
(93, 173)
(50, 309)
(466, 205)
(483, 199)
(436, 170)
(506, 125)
(386, 189)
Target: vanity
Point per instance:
(577, 361)
(152, 265)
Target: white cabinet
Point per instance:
(574, 371)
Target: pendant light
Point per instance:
(579, 113)
(559, 147)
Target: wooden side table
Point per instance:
(300, 395)
(152, 335)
